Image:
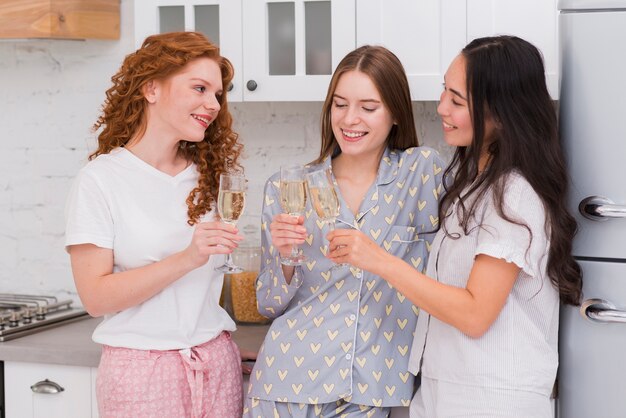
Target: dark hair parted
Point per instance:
(506, 82)
(387, 73)
(123, 114)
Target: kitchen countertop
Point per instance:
(71, 344)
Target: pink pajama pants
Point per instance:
(205, 383)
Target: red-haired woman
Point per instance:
(143, 238)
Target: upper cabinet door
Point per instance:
(291, 47)
(425, 35)
(219, 20)
(532, 20)
(286, 50)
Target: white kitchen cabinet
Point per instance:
(219, 20)
(533, 20)
(94, 400)
(76, 400)
(286, 50)
(290, 48)
(427, 34)
(282, 50)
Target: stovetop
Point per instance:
(22, 315)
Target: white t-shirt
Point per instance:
(120, 202)
(519, 351)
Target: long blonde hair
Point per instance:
(388, 75)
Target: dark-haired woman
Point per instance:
(486, 338)
(339, 343)
(144, 241)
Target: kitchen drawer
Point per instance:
(73, 401)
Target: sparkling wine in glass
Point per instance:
(293, 202)
(324, 199)
(230, 204)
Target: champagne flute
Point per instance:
(324, 199)
(230, 203)
(293, 202)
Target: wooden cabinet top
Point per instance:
(62, 19)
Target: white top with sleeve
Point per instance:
(120, 202)
(519, 351)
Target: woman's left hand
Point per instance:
(248, 358)
(355, 248)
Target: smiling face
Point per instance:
(454, 106)
(184, 105)
(360, 121)
(455, 111)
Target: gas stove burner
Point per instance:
(22, 315)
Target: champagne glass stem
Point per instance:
(229, 265)
(294, 248)
(295, 258)
(331, 226)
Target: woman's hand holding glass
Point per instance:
(287, 231)
(293, 201)
(355, 248)
(210, 238)
(230, 204)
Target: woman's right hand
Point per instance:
(286, 231)
(211, 238)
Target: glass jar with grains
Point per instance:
(239, 291)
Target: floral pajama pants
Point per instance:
(202, 382)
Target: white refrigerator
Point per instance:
(592, 370)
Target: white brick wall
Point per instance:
(50, 95)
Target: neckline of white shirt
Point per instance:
(155, 171)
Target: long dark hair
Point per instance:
(506, 82)
(387, 73)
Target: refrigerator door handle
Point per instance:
(600, 310)
(599, 208)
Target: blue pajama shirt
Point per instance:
(346, 334)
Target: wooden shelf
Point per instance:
(62, 19)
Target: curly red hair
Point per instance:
(124, 111)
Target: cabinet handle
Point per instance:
(600, 310)
(230, 87)
(599, 208)
(47, 386)
(251, 85)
